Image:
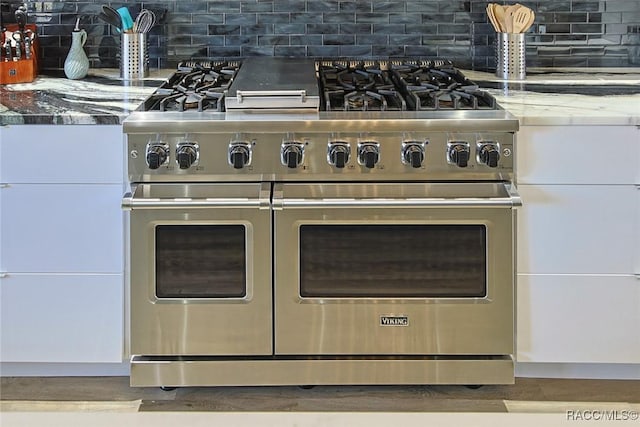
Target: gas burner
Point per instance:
(441, 87)
(195, 86)
(378, 99)
(358, 87)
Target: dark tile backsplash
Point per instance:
(565, 32)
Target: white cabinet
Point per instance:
(61, 154)
(578, 319)
(61, 318)
(578, 155)
(61, 228)
(578, 229)
(61, 243)
(578, 295)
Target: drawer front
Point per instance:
(578, 319)
(578, 155)
(578, 229)
(61, 154)
(61, 228)
(62, 318)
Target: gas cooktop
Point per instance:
(332, 86)
(301, 119)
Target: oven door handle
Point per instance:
(512, 201)
(261, 200)
(130, 203)
(395, 203)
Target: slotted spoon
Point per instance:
(508, 16)
(519, 18)
(532, 18)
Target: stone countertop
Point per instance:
(568, 96)
(100, 98)
(578, 96)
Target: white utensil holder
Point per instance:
(510, 56)
(134, 56)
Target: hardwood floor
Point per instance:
(552, 394)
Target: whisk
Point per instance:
(145, 20)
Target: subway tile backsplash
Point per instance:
(565, 33)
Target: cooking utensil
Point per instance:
(21, 19)
(107, 19)
(110, 16)
(28, 41)
(499, 13)
(492, 18)
(508, 16)
(532, 17)
(519, 18)
(18, 41)
(7, 49)
(145, 20)
(514, 18)
(127, 20)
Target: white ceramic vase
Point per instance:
(76, 66)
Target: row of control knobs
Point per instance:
(158, 154)
(338, 154)
(459, 153)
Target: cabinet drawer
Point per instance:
(578, 155)
(61, 154)
(578, 319)
(61, 318)
(61, 228)
(578, 229)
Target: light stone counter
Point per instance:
(578, 96)
(568, 96)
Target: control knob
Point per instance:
(156, 154)
(291, 153)
(458, 153)
(413, 154)
(239, 154)
(186, 154)
(368, 154)
(489, 154)
(338, 154)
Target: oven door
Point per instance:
(394, 269)
(200, 263)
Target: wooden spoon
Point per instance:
(498, 12)
(492, 18)
(508, 16)
(520, 18)
(532, 17)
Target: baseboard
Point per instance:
(613, 371)
(12, 369)
(523, 370)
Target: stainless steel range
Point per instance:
(301, 222)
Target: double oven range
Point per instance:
(307, 222)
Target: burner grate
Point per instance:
(428, 86)
(196, 86)
(345, 85)
(359, 86)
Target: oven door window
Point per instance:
(200, 261)
(387, 261)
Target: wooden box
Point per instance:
(23, 70)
